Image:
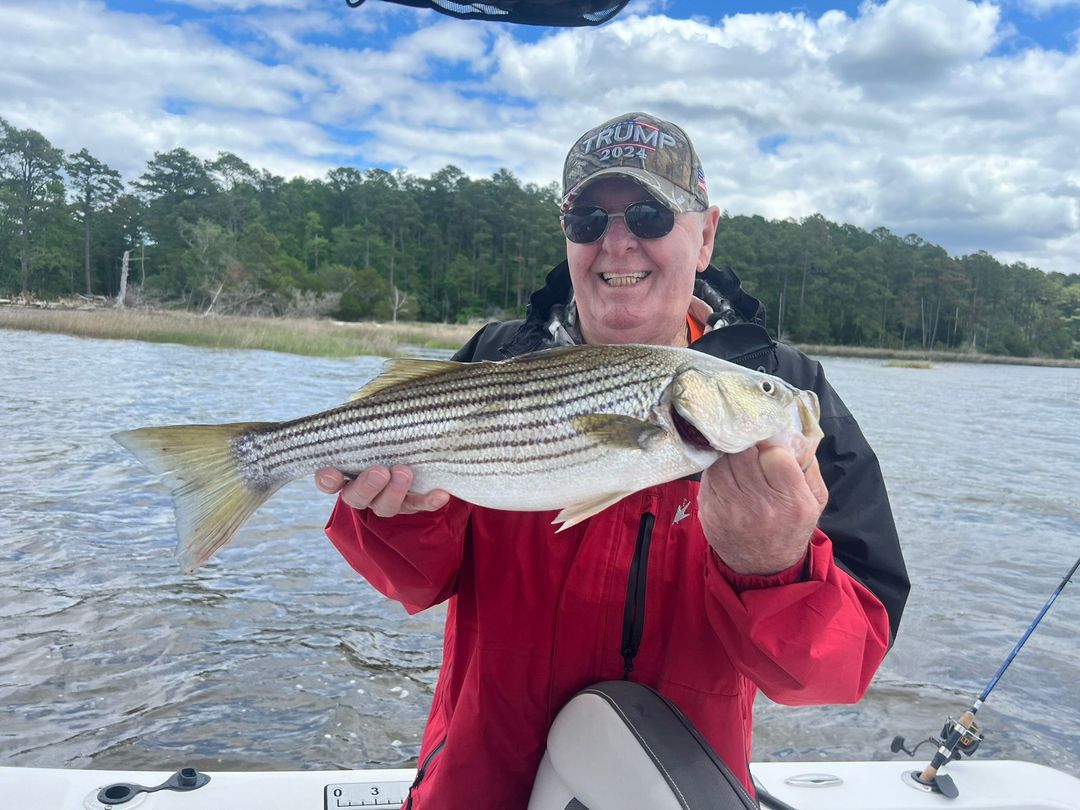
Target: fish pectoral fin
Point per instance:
(575, 513)
(402, 370)
(615, 430)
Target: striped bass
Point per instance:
(574, 429)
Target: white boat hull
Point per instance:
(983, 785)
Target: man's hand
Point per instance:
(758, 508)
(384, 491)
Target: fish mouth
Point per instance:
(623, 279)
(805, 412)
(688, 433)
(808, 414)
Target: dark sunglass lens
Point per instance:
(584, 224)
(649, 220)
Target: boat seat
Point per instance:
(619, 745)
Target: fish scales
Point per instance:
(360, 431)
(362, 434)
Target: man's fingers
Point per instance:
(780, 469)
(388, 501)
(746, 472)
(329, 480)
(384, 491)
(360, 492)
(817, 483)
(428, 502)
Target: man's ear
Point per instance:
(710, 218)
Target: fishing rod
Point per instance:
(961, 737)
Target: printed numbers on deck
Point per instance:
(366, 794)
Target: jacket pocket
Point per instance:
(424, 770)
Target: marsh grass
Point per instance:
(897, 363)
(319, 338)
(325, 338)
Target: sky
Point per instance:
(957, 121)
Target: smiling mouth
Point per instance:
(622, 279)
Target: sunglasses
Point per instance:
(646, 220)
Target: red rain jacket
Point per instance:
(534, 617)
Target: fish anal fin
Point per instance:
(402, 370)
(575, 513)
(616, 430)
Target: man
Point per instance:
(706, 591)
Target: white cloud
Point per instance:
(903, 117)
(908, 114)
(113, 82)
(915, 41)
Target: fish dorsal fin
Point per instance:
(544, 354)
(405, 369)
(402, 370)
(616, 430)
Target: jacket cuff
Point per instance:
(799, 572)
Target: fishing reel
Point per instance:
(969, 739)
(966, 745)
(959, 738)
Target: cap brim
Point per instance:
(675, 198)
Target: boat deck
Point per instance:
(983, 785)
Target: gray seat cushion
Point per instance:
(619, 745)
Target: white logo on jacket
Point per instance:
(682, 512)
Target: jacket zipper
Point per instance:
(421, 771)
(634, 612)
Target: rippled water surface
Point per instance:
(276, 655)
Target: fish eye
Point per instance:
(767, 387)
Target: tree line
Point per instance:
(223, 236)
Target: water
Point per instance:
(277, 655)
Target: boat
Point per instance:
(983, 785)
(615, 746)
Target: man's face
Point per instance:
(633, 290)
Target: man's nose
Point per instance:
(618, 236)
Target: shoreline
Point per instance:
(913, 356)
(327, 338)
(304, 336)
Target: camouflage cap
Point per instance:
(650, 151)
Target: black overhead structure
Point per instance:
(563, 13)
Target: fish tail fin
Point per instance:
(211, 497)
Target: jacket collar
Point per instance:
(545, 325)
